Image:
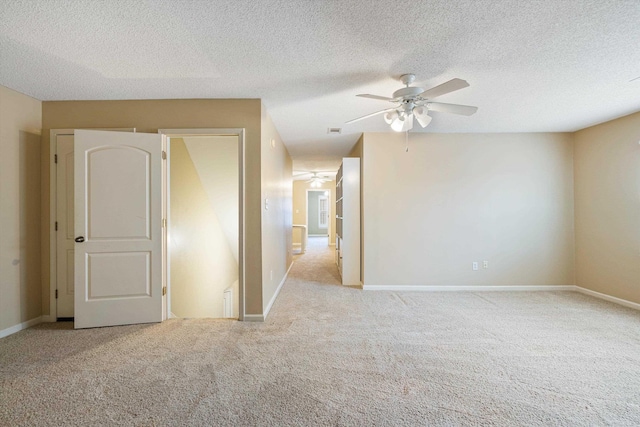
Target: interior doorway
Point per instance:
(203, 229)
(319, 214)
(64, 301)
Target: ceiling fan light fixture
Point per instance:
(403, 123)
(422, 116)
(397, 124)
(408, 123)
(390, 116)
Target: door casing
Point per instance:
(177, 133)
(306, 202)
(53, 135)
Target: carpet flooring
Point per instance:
(336, 356)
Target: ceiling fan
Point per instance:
(316, 180)
(417, 102)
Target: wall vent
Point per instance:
(334, 130)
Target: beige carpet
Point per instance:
(330, 355)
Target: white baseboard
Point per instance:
(527, 288)
(609, 298)
(253, 318)
(275, 295)
(467, 288)
(17, 328)
(46, 318)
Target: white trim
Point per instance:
(253, 318)
(166, 196)
(277, 292)
(466, 288)
(17, 328)
(609, 298)
(46, 318)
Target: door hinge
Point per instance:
(164, 290)
(164, 155)
(55, 158)
(56, 294)
(164, 222)
(56, 225)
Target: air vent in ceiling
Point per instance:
(334, 130)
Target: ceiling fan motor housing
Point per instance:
(407, 92)
(407, 79)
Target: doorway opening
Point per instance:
(203, 234)
(318, 215)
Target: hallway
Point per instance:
(316, 265)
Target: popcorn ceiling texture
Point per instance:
(332, 355)
(533, 66)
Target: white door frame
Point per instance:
(239, 132)
(306, 203)
(53, 198)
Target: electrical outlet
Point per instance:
(475, 266)
(485, 264)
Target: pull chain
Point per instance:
(406, 141)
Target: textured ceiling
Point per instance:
(533, 66)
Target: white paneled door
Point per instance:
(323, 212)
(118, 234)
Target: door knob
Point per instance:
(79, 239)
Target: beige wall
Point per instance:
(276, 221)
(20, 205)
(151, 115)
(300, 206)
(203, 265)
(356, 151)
(607, 200)
(216, 161)
(458, 198)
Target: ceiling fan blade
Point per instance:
(465, 110)
(378, 97)
(370, 115)
(444, 88)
